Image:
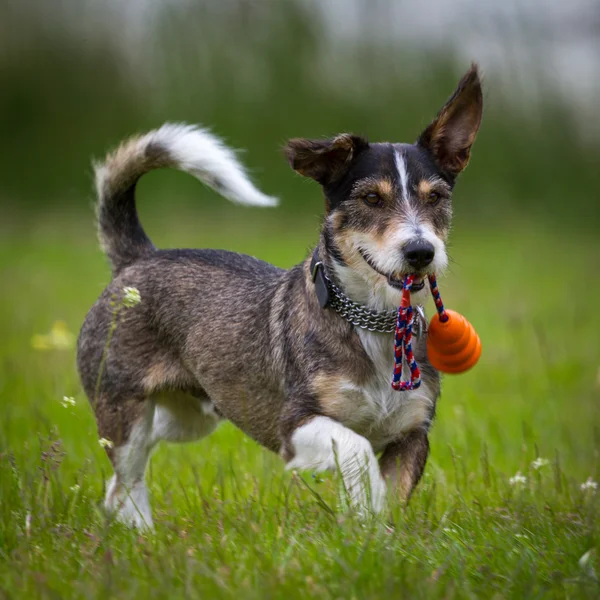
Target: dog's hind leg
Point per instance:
(131, 430)
(125, 430)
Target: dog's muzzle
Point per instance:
(393, 281)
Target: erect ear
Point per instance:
(324, 161)
(450, 136)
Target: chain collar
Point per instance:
(330, 295)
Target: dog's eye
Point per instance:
(434, 198)
(373, 199)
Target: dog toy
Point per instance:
(453, 345)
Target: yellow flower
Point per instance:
(59, 338)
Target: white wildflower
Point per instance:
(131, 297)
(538, 463)
(104, 443)
(68, 401)
(587, 565)
(585, 559)
(517, 479)
(75, 488)
(589, 485)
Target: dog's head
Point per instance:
(389, 205)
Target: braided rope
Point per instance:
(437, 298)
(403, 343)
(403, 351)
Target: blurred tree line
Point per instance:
(257, 74)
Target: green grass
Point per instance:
(230, 522)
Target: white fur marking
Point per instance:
(324, 444)
(126, 493)
(392, 413)
(130, 504)
(402, 173)
(182, 418)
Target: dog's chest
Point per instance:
(375, 409)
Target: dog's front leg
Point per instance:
(321, 443)
(402, 462)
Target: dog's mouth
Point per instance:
(395, 280)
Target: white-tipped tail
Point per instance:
(205, 156)
(184, 147)
(188, 148)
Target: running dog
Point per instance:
(300, 359)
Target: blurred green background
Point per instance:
(78, 76)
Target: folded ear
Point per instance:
(324, 161)
(450, 136)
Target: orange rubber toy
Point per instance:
(453, 346)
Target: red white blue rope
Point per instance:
(437, 298)
(403, 351)
(403, 343)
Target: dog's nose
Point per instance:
(419, 253)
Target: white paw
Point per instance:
(129, 505)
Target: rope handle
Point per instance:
(403, 352)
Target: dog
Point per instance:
(300, 359)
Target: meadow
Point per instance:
(507, 507)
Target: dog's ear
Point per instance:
(451, 134)
(324, 161)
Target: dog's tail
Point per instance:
(183, 147)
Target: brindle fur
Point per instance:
(403, 461)
(250, 339)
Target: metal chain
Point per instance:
(359, 316)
